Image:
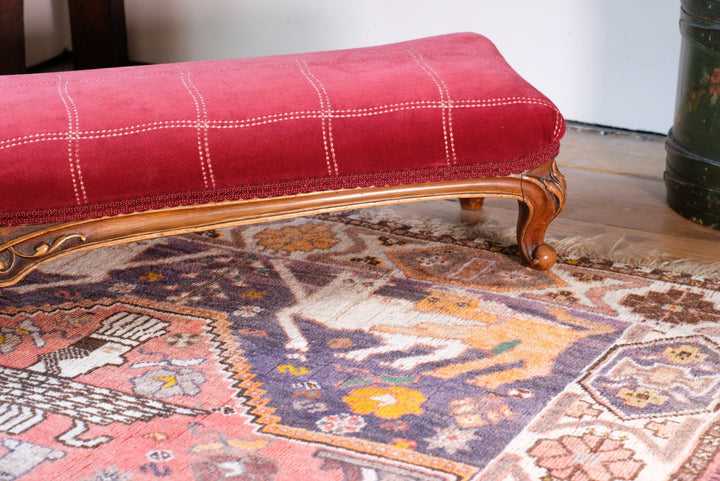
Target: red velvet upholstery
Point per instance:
(87, 144)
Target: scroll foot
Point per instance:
(543, 258)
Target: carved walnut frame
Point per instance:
(540, 193)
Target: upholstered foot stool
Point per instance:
(94, 158)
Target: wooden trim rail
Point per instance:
(540, 193)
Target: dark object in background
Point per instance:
(692, 174)
(99, 35)
(12, 39)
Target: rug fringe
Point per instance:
(630, 254)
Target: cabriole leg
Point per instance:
(543, 198)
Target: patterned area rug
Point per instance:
(356, 346)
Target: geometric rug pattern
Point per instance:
(355, 346)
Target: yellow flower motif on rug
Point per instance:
(684, 354)
(387, 403)
(305, 238)
(641, 397)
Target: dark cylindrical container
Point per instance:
(692, 174)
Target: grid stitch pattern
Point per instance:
(203, 124)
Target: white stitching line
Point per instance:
(447, 111)
(201, 152)
(446, 101)
(558, 123)
(201, 127)
(274, 118)
(75, 133)
(206, 139)
(326, 116)
(329, 118)
(69, 136)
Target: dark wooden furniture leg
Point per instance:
(541, 198)
(12, 37)
(473, 203)
(99, 34)
(543, 192)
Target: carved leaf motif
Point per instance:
(551, 180)
(41, 250)
(44, 249)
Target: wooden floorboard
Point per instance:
(616, 194)
(638, 155)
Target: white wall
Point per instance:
(607, 62)
(46, 29)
